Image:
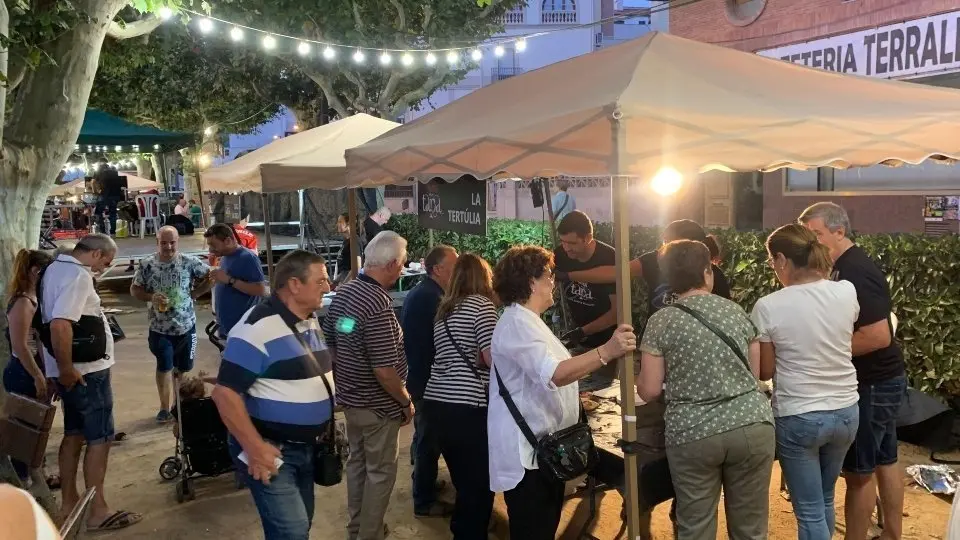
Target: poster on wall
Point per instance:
(459, 206)
(941, 208)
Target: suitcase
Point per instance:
(25, 429)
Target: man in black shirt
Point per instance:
(880, 374)
(591, 305)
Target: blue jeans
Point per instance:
(425, 450)
(811, 447)
(286, 504)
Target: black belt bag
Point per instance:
(89, 339)
(563, 455)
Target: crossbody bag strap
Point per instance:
(331, 425)
(719, 333)
(473, 367)
(562, 206)
(514, 411)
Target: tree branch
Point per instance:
(358, 23)
(402, 104)
(401, 16)
(388, 89)
(427, 18)
(357, 80)
(133, 29)
(326, 85)
(486, 11)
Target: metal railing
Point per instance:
(558, 17)
(513, 17)
(501, 73)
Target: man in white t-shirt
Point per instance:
(78, 354)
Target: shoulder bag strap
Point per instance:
(514, 411)
(331, 425)
(473, 366)
(563, 206)
(719, 333)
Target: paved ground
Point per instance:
(134, 484)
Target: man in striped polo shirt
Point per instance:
(273, 393)
(371, 371)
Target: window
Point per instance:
(558, 12)
(744, 12)
(398, 192)
(926, 176)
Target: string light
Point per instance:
(385, 59)
(303, 48)
(358, 56)
(453, 57)
(498, 51)
(208, 131)
(205, 25)
(431, 59)
(236, 34)
(477, 55)
(329, 53)
(406, 59)
(269, 42)
(520, 45)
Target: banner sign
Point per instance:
(902, 50)
(459, 206)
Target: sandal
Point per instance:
(53, 482)
(121, 519)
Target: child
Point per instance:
(191, 388)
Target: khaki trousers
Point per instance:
(738, 461)
(371, 471)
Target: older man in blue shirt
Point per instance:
(417, 318)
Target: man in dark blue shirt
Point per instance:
(239, 278)
(417, 318)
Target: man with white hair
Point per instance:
(170, 281)
(371, 370)
(880, 376)
(78, 354)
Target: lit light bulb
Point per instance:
(667, 181)
(453, 57)
(329, 53)
(520, 45)
(303, 48)
(406, 59)
(275, 137)
(156, 147)
(498, 51)
(359, 57)
(118, 148)
(476, 55)
(269, 42)
(208, 131)
(296, 127)
(385, 59)
(76, 147)
(204, 160)
(236, 34)
(205, 25)
(165, 13)
(431, 59)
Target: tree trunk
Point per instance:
(144, 167)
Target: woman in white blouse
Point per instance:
(541, 377)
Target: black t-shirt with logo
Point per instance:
(588, 301)
(658, 291)
(873, 294)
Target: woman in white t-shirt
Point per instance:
(806, 330)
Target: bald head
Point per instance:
(168, 240)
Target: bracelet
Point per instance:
(600, 356)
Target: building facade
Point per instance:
(916, 40)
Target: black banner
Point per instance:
(459, 206)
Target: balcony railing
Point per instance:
(558, 17)
(501, 73)
(513, 17)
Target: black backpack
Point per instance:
(89, 333)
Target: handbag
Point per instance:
(89, 335)
(719, 333)
(563, 455)
(473, 365)
(118, 334)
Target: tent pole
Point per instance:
(621, 242)
(266, 228)
(302, 228)
(548, 200)
(354, 240)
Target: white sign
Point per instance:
(908, 49)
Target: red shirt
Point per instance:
(247, 239)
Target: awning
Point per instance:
(102, 129)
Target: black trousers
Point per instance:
(462, 434)
(533, 507)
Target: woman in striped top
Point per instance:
(455, 400)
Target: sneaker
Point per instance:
(438, 509)
(164, 416)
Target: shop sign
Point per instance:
(459, 206)
(908, 49)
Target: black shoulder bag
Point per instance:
(473, 365)
(719, 333)
(89, 332)
(563, 455)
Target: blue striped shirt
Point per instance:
(281, 383)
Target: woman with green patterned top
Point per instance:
(719, 426)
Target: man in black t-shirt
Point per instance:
(592, 306)
(880, 376)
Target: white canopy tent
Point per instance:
(663, 101)
(76, 187)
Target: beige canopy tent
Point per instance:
(76, 187)
(664, 101)
(313, 158)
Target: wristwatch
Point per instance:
(231, 281)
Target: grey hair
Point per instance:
(168, 228)
(295, 264)
(64, 248)
(385, 248)
(833, 215)
(96, 242)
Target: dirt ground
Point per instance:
(133, 482)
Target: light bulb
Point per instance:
(205, 25)
(165, 13)
(667, 181)
(453, 57)
(385, 59)
(431, 59)
(406, 59)
(520, 45)
(296, 127)
(329, 53)
(303, 48)
(156, 147)
(476, 55)
(118, 148)
(359, 57)
(269, 42)
(204, 160)
(208, 131)
(275, 137)
(498, 51)
(236, 34)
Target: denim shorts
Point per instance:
(173, 351)
(88, 408)
(17, 380)
(876, 442)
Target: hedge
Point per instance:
(922, 271)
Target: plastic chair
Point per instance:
(149, 208)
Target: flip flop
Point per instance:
(121, 519)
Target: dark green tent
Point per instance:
(102, 129)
